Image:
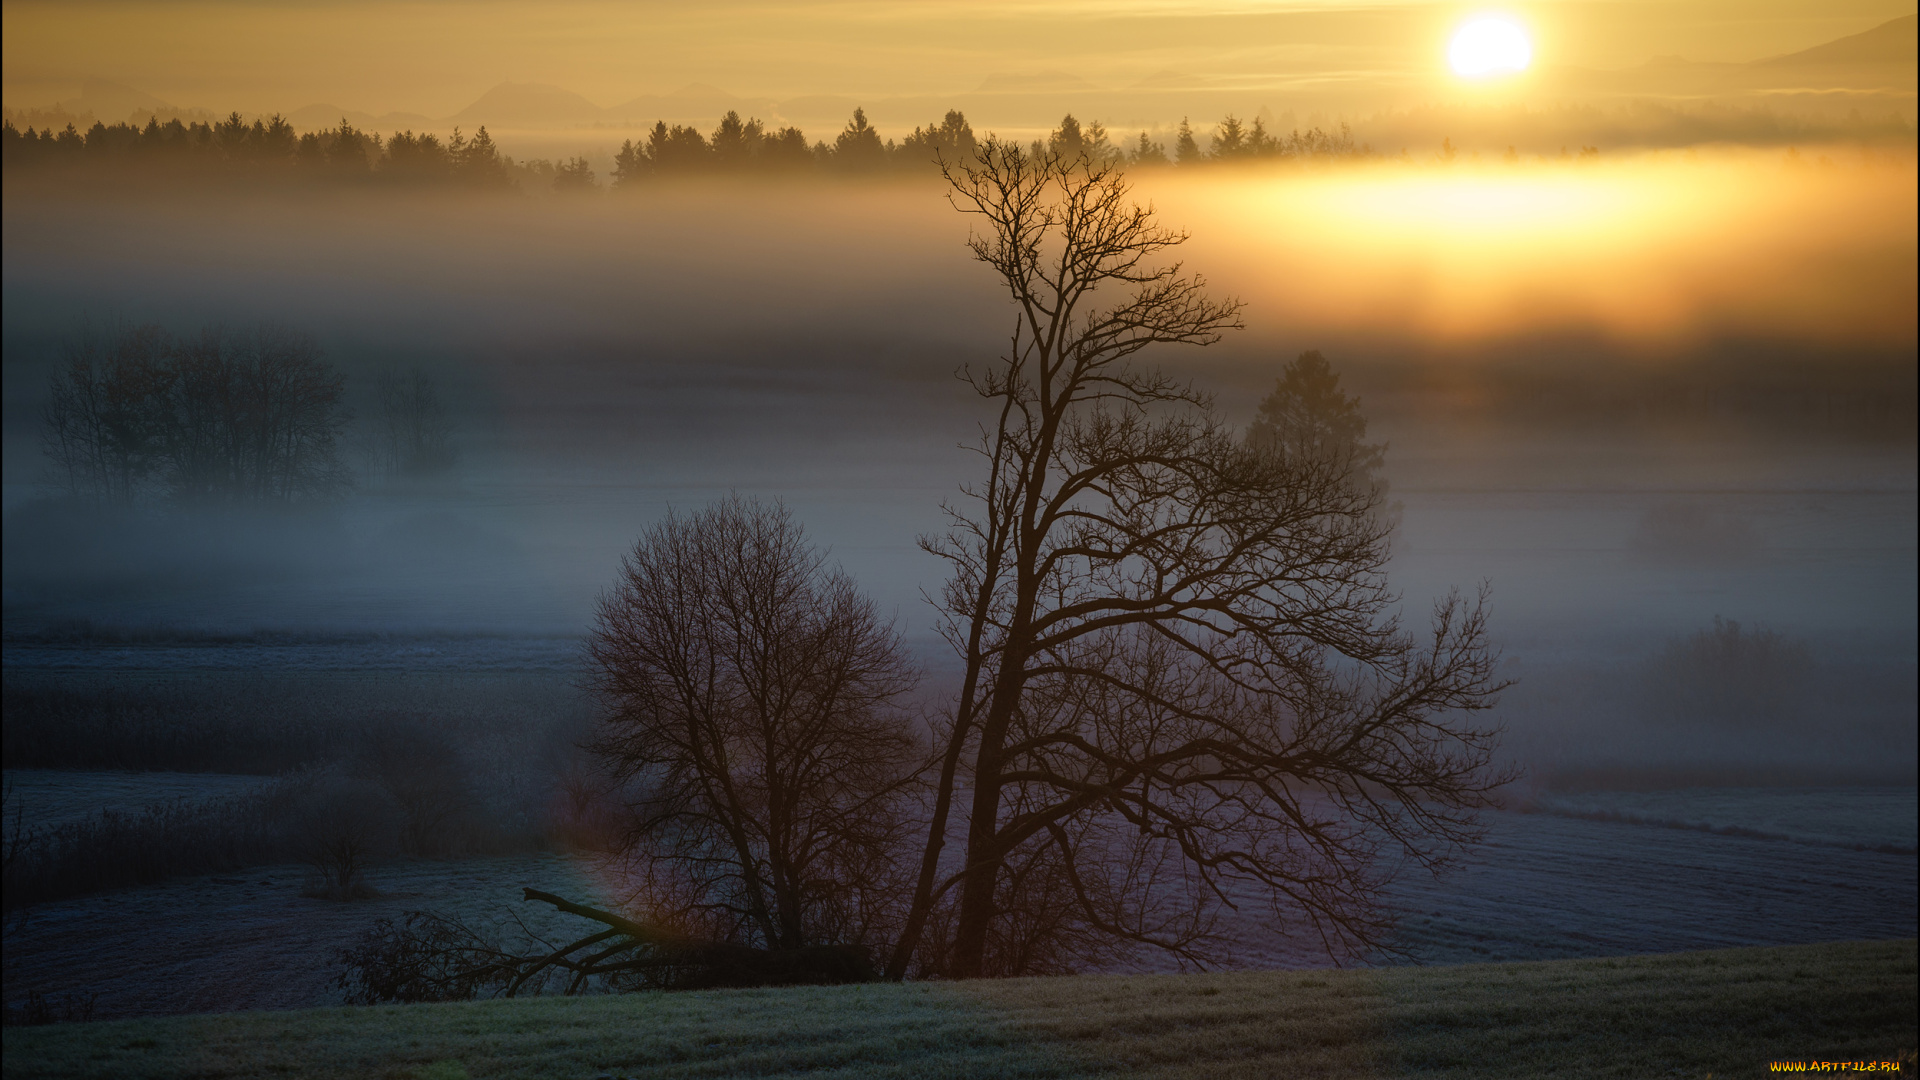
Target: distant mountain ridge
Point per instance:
(1894, 42)
(529, 105)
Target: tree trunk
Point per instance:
(968, 958)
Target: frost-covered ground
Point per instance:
(1788, 866)
(1865, 818)
(1543, 886)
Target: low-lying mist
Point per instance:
(1632, 394)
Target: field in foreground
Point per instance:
(1724, 1013)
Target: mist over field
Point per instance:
(1679, 424)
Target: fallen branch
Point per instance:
(433, 957)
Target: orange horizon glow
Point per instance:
(1650, 249)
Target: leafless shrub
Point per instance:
(340, 824)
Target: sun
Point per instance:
(1486, 47)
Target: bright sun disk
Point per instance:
(1486, 47)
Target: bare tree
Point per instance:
(750, 693)
(1184, 680)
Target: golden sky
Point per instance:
(435, 58)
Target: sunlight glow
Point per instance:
(1486, 47)
(1647, 248)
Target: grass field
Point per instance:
(1724, 1013)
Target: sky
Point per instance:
(434, 59)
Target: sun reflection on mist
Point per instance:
(1641, 248)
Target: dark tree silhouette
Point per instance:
(1184, 680)
(1186, 150)
(858, 147)
(1230, 140)
(952, 139)
(573, 174)
(750, 691)
(1148, 153)
(263, 151)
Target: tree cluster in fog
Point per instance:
(269, 149)
(1183, 678)
(225, 417)
(1731, 678)
(220, 417)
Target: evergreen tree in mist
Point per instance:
(1186, 151)
(1309, 417)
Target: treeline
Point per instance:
(270, 148)
(226, 418)
(738, 145)
(265, 148)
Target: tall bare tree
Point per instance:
(750, 693)
(1185, 684)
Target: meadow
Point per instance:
(1724, 1013)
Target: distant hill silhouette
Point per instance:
(1033, 83)
(695, 101)
(326, 116)
(113, 101)
(1895, 42)
(529, 105)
